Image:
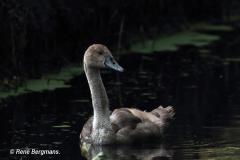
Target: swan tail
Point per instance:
(164, 114)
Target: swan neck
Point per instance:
(101, 117)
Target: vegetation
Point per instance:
(39, 37)
(46, 82)
(171, 42)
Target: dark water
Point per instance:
(204, 91)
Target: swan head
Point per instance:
(99, 56)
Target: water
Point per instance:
(204, 91)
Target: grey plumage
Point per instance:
(124, 125)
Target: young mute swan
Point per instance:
(124, 125)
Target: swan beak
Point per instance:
(110, 62)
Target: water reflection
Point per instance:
(128, 152)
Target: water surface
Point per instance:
(204, 91)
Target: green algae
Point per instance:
(46, 82)
(61, 126)
(212, 27)
(171, 42)
(192, 36)
(221, 153)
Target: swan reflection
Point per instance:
(98, 152)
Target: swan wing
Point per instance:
(131, 125)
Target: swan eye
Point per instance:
(100, 53)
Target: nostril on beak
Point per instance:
(113, 61)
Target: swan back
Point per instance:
(131, 125)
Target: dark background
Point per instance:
(41, 36)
